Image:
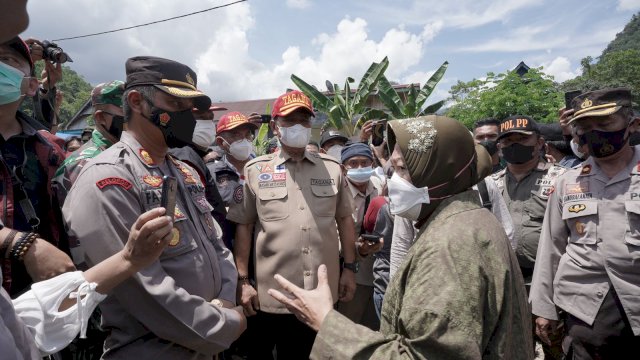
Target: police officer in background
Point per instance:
(525, 184)
(295, 205)
(183, 305)
(332, 142)
(587, 263)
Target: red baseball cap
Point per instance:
(287, 103)
(232, 120)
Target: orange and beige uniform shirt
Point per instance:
(294, 206)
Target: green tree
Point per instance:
(76, 92)
(628, 38)
(412, 106)
(615, 69)
(499, 96)
(347, 111)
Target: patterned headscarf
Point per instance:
(439, 153)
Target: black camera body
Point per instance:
(52, 52)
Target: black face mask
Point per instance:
(518, 153)
(177, 126)
(490, 145)
(604, 143)
(117, 125)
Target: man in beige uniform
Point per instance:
(357, 158)
(590, 247)
(182, 306)
(293, 202)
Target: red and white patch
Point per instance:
(279, 176)
(114, 181)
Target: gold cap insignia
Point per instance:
(577, 208)
(190, 80)
(586, 103)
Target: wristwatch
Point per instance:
(217, 302)
(354, 266)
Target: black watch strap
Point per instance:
(354, 266)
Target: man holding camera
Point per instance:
(29, 158)
(183, 305)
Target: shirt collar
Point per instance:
(355, 192)
(142, 154)
(100, 140)
(282, 157)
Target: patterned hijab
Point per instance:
(439, 153)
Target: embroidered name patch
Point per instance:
(323, 182)
(579, 196)
(271, 184)
(114, 181)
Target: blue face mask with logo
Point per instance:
(360, 175)
(10, 84)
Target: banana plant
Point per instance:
(261, 141)
(412, 106)
(347, 111)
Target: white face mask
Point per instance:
(405, 200)
(335, 151)
(296, 136)
(204, 133)
(240, 149)
(576, 150)
(360, 175)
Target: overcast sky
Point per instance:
(249, 50)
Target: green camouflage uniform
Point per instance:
(103, 94)
(458, 295)
(106, 93)
(71, 167)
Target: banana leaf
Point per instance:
(428, 87)
(410, 109)
(433, 108)
(390, 98)
(320, 100)
(371, 114)
(368, 84)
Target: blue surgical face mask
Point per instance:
(360, 175)
(10, 84)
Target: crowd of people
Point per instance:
(438, 243)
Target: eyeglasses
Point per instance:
(354, 163)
